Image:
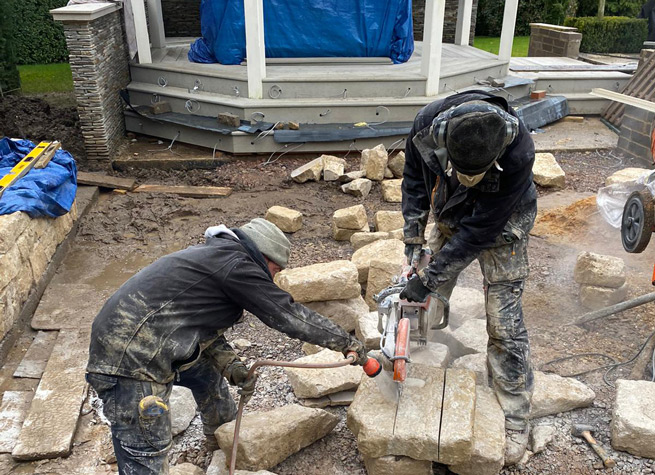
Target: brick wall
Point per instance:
(450, 22)
(635, 137)
(181, 17)
(554, 40)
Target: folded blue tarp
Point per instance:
(308, 29)
(48, 191)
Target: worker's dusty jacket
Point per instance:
(473, 217)
(161, 319)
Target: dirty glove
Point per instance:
(359, 348)
(237, 374)
(410, 250)
(415, 291)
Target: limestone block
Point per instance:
(333, 167)
(388, 220)
(310, 349)
(599, 270)
(594, 297)
(353, 217)
(268, 438)
(10, 266)
(358, 240)
(183, 409)
(477, 363)
(395, 465)
(397, 164)
(15, 405)
(465, 304)
(396, 234)
(554, 394)
(488, 452)
(540, 437)
(392, 191)
(11, 227)
(391, 250)
(547, 171)
(186, 468)
(388, 174)
(470, 338)
(342, 398)
(374, 162)
(350, 176)
(625, 175)
(430, 354)
(309, 171)
(380, 273)
(633, 419)
(342, 312)
(313, 383)
(288, 220)
(366, 330)
(456, 438)
(327, 281)
(359, 187)
(340, 234)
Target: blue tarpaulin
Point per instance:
(48, 191)
(308, 29)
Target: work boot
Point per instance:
(211, 443)
(516, 442)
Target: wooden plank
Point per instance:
(35, 359)
(573, 67)
(625, 99)
(255, 48)
(12, 414)
(50, 425)
(188, 191)
(141, 29)
(105, 181)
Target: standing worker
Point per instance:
(165, 325)
(469, 160)
(648, 12)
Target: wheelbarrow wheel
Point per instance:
(638, 222)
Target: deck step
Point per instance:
(581, 103)
(560, 82)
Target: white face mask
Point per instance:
(468, 180)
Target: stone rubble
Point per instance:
(374, 162)
(353, 217)
(391, 250)
(633, 419)
(334, 280)
(310, 171)
(554, 394)
(547, 171)
(359, 187)
(380, 273)
(540, 436)
(388, 220)
(315, 383)
(392, 191)
(333, 167)
(288, 220)
(241, 344)
(186, 469)
(366, 330)
(183, 409)
(397, 164)
(344, 313)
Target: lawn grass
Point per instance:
(491, 44)
(42, 78)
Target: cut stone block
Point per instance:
(314, 383)
(186, 468)
(470, 338)
(288, 220)
(55, 314)
(183, 409)
(11, 227)
(396, 234)
(219, 466)
(374, 162)
(430, 354)
(10, 266)
(477, 363)
(342, 398)
(268, 438)
(333, 167)
(488, 453)
(388, 220)
(340, 234)
(33, 363)
(350, 176)
(342, 312)
(50, 425)
(309, 171)
(366, 330)
(359, 240)
(388, 174)
(456, 438)
(359, 187)
(465, 304)
(380, 273)
(391, 250)
(594, 297)
(392, 191)
(554, 394)
(547, 171)
(328, 281)
(540, 437)
(625, 175)
(351, 218)
(15, 405)
(633, 419)
(602, 271)
(397, 164)
(394, 465)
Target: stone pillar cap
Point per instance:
(84, 11)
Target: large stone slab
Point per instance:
(488, 452)
(50, 425)
(15, 405)
(554, 394)
(633, 419)
(359, 240)
(594, 297)
(309, 171)
(35, 359)
(469, 339)
(359, 187)
(218, 466)
(54, 313)
(380, 273)
(288, 220)
(268, 438)
(183, 409)
(430, 354)
(353, 217)
(477, 363)
(465, 304)
(388, 220)
(366, 330)
(599, 270)
(394, 465)
(374, 162)
(314, 383)
(625, 175)
(342, 398)
(547, 171)
(397, 164)
(344, 313)
(392, 191)
(334, 280)
(458, 413)
(333, 167)
(391, 250)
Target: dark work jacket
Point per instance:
(648, 12)
(160, 320)
(475, 217)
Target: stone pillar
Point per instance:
(554, 40)
(450, 20)
(636, 137)
(99, 63)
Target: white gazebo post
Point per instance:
(156, 24)
(141, 30)
(507, 33)
(255, 49)
(432, 45)
(463, 29)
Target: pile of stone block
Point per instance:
(377, 263)
(348, 221)
(602, 280)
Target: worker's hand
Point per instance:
(411, 250)
(415, 291)
(358, 347)
(238, 376)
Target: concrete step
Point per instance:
(581, 103)
(559, 82)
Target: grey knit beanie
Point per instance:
(269, 239)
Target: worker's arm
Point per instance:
(416, 202)
(221, 353)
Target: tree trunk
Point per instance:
(601, 9)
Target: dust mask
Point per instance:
(470, 180)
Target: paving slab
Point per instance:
(50, 424)
(12, 414)
(562, 136)
(77, 310)
(33, 363)
(458, 414)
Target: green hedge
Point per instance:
(9, 78)
(38, 38)
(489, 20)
(611, 34)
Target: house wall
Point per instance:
(450, 23)
(636, 132)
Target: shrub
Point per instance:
(611, 34)
(9, 78)
(490, 15)
(39, 39)
(629, 8)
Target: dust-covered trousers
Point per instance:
(505, 268)
(141, 444)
